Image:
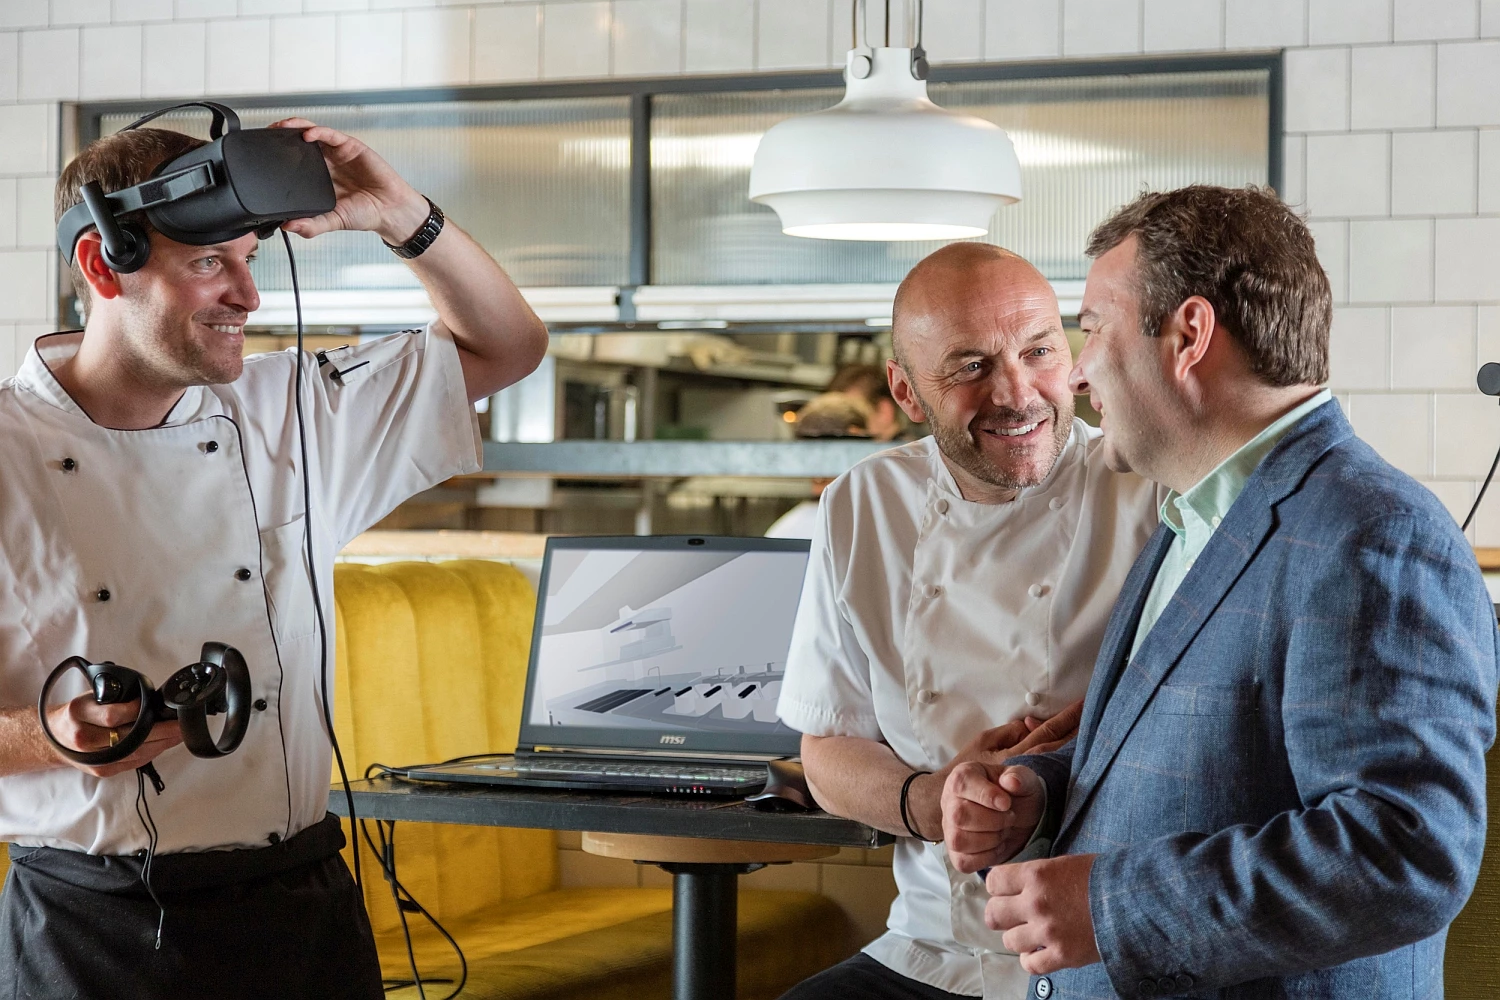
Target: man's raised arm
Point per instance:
(500, 340)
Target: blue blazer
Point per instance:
(1286, 785)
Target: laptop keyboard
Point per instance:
(668, 772)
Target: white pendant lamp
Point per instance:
(885, 163)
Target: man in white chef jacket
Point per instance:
(152, 499)
(957, 594)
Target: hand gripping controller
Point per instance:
(218, 684)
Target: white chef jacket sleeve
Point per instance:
(826, 691)
(392, 418)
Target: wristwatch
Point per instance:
(423, 237)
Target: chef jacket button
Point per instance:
(242, 574)
(102, 594)
(68, 465)
(1146, 988)
(211, 447)
(1043, 988)
(1033, 699)
(933, 590)
(1056, 503)
(1036, 590)
(927, 696)
(260, 704)
(941, 506)
(1185, 982)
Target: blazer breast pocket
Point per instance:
(284, 553)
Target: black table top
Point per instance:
(599, 812)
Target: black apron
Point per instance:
(278, 921)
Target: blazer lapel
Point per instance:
(1112, 711)
(1119, 636)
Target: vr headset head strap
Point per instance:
(225, 118)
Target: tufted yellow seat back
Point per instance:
(1471, 965)
(431, 664)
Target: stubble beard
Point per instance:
(162, 351)
(960, 445)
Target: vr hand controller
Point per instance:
(219, 684)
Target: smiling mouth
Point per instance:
(226, 328)
(1025, 430)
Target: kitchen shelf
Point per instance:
(672, 459)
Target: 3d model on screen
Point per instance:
(640, 639)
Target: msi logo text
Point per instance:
(674, 740)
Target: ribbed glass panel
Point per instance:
(1086, 144)
(542, 185)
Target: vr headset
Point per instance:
(244, 181)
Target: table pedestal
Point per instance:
(705, 888)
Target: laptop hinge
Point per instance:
(749, 758)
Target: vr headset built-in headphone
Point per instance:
(244, 181)
(219, 683)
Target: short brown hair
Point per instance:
(117, 162)
(833, 414)
(1249, 255)
(868, 382)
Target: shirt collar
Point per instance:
(1210, 498)
(35, 375)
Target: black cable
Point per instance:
(153, 837)
(405, 900)
(312, 569)
(1487, 478)
(388, 863)
(385, 856)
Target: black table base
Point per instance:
(704, 928)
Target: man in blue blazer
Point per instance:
(1277, 789)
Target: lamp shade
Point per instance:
(885, 163)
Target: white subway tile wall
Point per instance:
(1392, 117)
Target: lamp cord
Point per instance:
(1486, 485)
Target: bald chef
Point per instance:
(152, 499)
(957, 594)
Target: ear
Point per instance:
(1188, 334)
(904, 392)
(89, 254)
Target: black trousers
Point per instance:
(863, 978)
(280, 921)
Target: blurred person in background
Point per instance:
(870, 385)
(831, 415)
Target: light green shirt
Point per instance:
(1193, 516)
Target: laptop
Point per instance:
(655, 667)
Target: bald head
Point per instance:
(955, 280)
(982, 357)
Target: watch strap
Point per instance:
(423, 238)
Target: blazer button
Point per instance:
(1147, 988)
(1043, 988)
(242, 574)
(1167, 984)
(1185, 982)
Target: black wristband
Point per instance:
(423, 238)
(905, 816)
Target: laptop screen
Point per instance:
(664, 643)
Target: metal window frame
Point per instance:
(642, 90)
